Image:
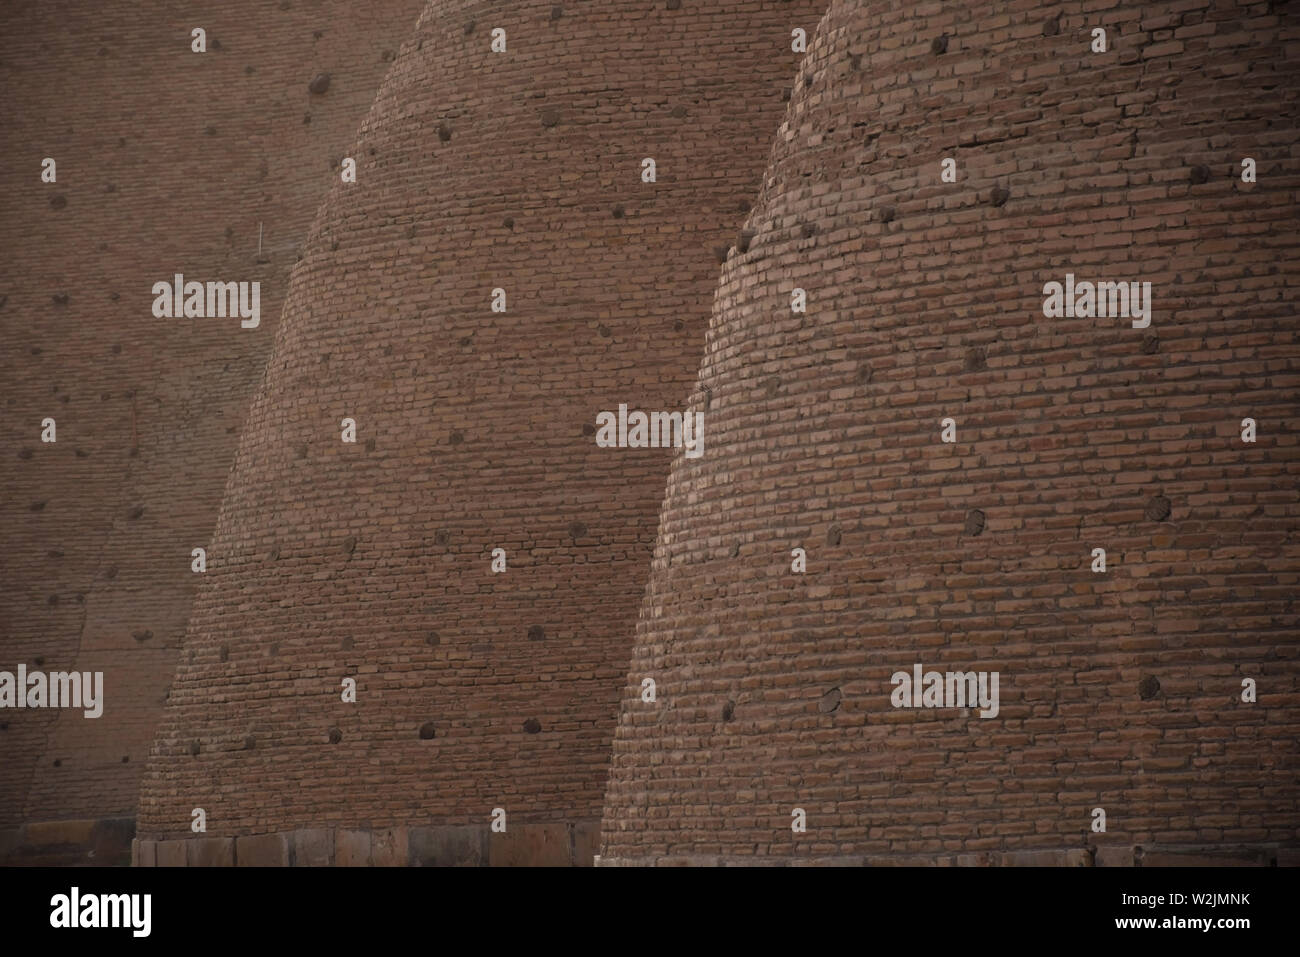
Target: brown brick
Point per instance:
(9, 839)
(925, 301)
(1115, 855)
(148, 854)
(351, 848)
(262, 850)
(311, 847)
(1208, 857)
(47, 833)
(172, 853)
(1120, 690)
(1074, 857)
(212, 852)
(530, 845)
(123, 380)
(517, 720)
(389, 847)
(586, 842)
(447, 846)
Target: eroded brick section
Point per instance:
(478, 171)
(925, 301)
(167, 161)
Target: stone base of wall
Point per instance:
(99, 843)
(1104, 856)
(561, 844)
(108, 842)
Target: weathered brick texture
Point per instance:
(519, 171)
(1119, 690)
(167, 161)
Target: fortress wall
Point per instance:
(1120, 690)
(519, 171)
(167, 161)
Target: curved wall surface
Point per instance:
(166, 160)
(1126, 691)
(520, 171)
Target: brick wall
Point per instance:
(167, 161)
(1120, 691)
(475, 690)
